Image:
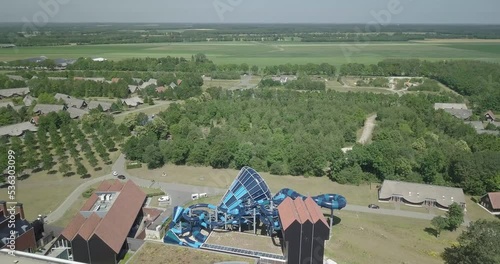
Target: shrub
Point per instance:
(155, 194)
(88, 193)
(134, 165)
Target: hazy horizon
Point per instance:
(486, 12)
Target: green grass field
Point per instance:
(273, 53)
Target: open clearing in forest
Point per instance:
(273, 53)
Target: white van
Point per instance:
(203, 195)
(195, 196)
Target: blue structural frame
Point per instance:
(247, 198)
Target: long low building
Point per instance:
(417, 194)
(7, 93)
(17, 130)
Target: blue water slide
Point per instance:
(330, 201)
(177, 213)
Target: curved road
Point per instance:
(181, 194)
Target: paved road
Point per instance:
(392, 212)
(368, 129)
(181, 194)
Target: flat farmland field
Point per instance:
(273, 53)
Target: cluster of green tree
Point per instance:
(429, 85)
(453, 219)
(242, 68)
(278, 131)
(198, 63)
(267, 82)
(6, 82)
(293, 69)
(10, 116)
(181, 92)
(83, 34)
(60, 138)
(480, 81)
(414, 143)
(302, 133)
(78, 88)
(478, 244)
(232, 75)
(305, 83)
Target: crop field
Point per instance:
(273, 53)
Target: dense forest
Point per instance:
(479, 81)
(302, 133)
(82, 34)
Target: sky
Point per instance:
(252, 11)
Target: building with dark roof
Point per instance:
(19, 232)
(98, 233)
(417, 194)
(491, 202)
(15, 92)
(95, 105)
(71, 101)
(304, 231)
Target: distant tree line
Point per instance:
(85, 34)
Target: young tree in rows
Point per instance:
(64, 167)
(47, 160)
(17, 146)
(478, 244)
(81, 170)
(455, 216)
(439, 223)
(92, 160)
(32, 161)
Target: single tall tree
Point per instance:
(439, 223)
(455, 216)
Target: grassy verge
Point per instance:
(156, 253)
(368, 238)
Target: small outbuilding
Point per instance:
(491, 202)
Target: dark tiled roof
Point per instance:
(116, 186)
(287, 213)
(89, 203)
(72, 228)
(494, 199)
(315, 211)
(89, 226)
(115, 226)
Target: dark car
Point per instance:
(121, 177)
(373, 206)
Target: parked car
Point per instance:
(121, 177)
(373, 206)
(115, 173)
(164, 198)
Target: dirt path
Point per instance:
(368, 129)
